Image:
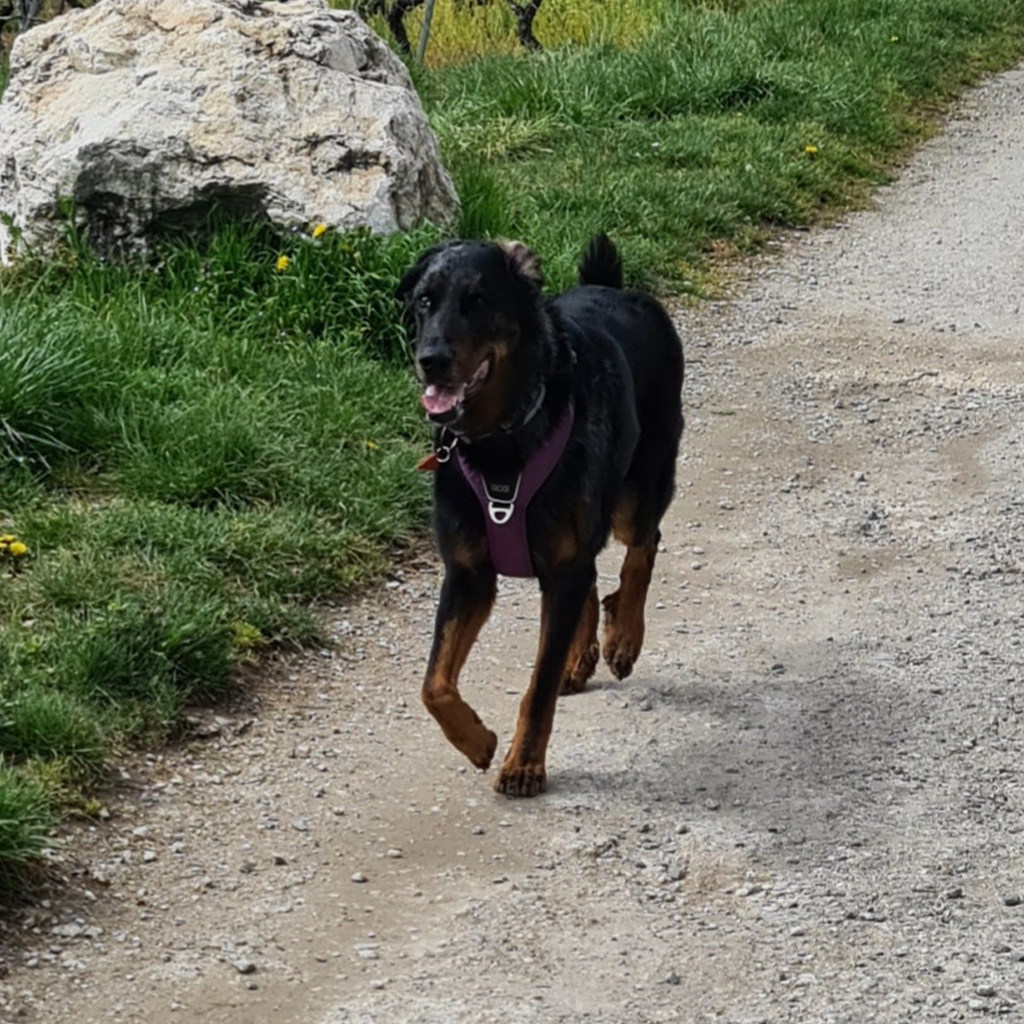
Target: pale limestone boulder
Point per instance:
(146, 112)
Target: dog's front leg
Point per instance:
(467, 597)
(562, 599)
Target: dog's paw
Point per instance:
(521, 780)
(484, 752)
(576, 677)
(623, 638)
(620, 654)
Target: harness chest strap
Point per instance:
(505, 503)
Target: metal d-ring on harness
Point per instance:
(501, 504)
(505, 502)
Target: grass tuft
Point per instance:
(26, 817)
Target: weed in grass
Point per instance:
(13, 554)
(486, 202)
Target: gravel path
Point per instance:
(806, 805)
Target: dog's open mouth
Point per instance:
(442, 400)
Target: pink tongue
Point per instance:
(438, 400)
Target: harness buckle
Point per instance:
(501, 499)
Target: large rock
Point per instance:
(139, 113)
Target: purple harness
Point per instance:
(504, 504)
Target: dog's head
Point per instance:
(470, 304)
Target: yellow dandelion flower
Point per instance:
(318, 230)
(3, 548)
(281, 264)
(811, 150)
(370, 445)
(17, 549)
(6, 538)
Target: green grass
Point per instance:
(193, 450)
(25, 822)
(198, 447)
(700, 133)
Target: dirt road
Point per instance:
(806, 804)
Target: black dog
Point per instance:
(576, 398)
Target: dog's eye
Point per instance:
(423, 303)
(472, 300)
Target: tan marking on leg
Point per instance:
(468, 556)
(563, 548)
(584, 652)
(622, 520)
(523, 772)
(624, 611)
(457, 719)
(563, 600)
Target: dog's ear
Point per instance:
(403, 291)
(523, 260)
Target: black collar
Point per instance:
(509, 426)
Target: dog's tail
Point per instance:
(601, 263)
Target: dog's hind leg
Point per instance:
(624, 609)
(467, 597)
(584, 652)
(635, 522)
(563, 597)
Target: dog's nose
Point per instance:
(434, 362)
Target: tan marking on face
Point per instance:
(490, 405)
